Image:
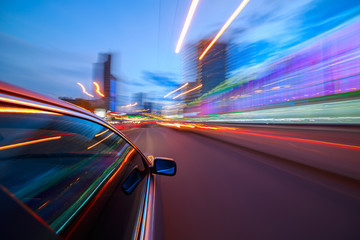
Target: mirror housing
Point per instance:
(164, 166)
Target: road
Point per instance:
(257, 182)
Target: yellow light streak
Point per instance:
(199, 86)
(9, 100)
(176, 89)
(178, 125)
(99, 142)
(98, 89)
(130, 105)
(28, 143)
(25, 110)
(84, 90)
(186, 24)
(153, 116)
(99, 134)
(226, 25)
(143, 110)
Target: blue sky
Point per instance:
(48, 46)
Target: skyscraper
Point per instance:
(212, 68)
(190, 63)
(107, 82)
(139, 99)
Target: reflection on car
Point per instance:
(66, 173)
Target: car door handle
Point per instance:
(132, 181)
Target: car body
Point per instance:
(66, 173)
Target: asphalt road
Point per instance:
(257, 182)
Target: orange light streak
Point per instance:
(100, 193)
(9, 100)
(98, 89)
(130, 105)
(295, 139)
(99, 142)
(143, 110)
(43, 205)
(101, 133)
(25, 110)
(47, 136)
(186, 25)
(199, 86)
(178, 125)
(28, 143)
(226, 25)
(176, 89)
(84, 90)
(205, 127)
(127, 157)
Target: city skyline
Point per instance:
(37, 54)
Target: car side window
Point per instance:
(55, 163)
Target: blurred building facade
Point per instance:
(148, 107)
(212, 67)
(209, 71)
(138, 98)
(107, 82)
(190, 63)
(320, 70)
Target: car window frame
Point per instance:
(87, 117)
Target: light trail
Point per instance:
(143, 110)
(46, 136)
(294, 139)
(84, 90)
(130, 105)
(99, 134)
(186, 24)
(99, 141)
(332, 144)
(226, 25)
(94, 200)
(178, 125)
(28, 143)
(31, 104)
(98, 89)
(43, 205)
(25, 110)
(199, 86)
(176, 89)
(259, 134)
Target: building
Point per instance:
(106, 81)
(211, 70)
(192, 95)
(190, 63)
(148, 107)
(138, 98)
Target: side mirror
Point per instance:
(164, 166)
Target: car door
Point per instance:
(81, 177)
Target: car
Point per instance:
(67, 174)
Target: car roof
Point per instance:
(12, 90)
(13, 94)
(24, 95)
